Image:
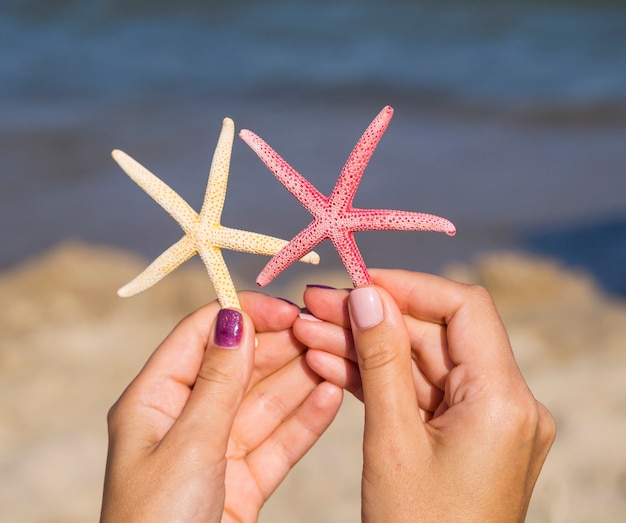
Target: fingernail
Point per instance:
(365, 307)
(288, 301)
(228, 329)
(319, 286)
(308, 317)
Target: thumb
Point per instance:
(221, 384)
(383, 348)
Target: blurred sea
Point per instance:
(510, 121)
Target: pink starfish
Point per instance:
(333, 216)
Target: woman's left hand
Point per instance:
(207, 432)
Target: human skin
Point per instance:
(206, 433)
(452, 431)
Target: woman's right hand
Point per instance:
(452, 432)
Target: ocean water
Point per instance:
(510, 121)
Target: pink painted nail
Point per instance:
(365, 307)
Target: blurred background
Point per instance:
(510, 120)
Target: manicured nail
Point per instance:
(228, 329)
(288, 301)
(366, 307)
(319, 286)
(308, 317)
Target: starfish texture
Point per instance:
(204, 235)
(334, 217)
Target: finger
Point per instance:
(276, 344)
(275, 457)
(428, 395)
(428, 339)
(154, 400)
(274, 351)
(269, 403)
(268, 314)
(429, 346)
(424, 296)
(337, 370)
(475, 331)
(345, 374)
(219, 388)
(328, 304)
(177, 360)
(326, 336)
(383, 349)
(328, 344)
(330, 352)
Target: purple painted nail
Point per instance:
(288, 301)
(319, 286)
(228, 329)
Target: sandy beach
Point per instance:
(69, 346)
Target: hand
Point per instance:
(452, 432)
(206, 433)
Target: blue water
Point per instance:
(495, 52)
(510, 119)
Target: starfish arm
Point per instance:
(169, 260)
(255, 243)
(384, 219)
(162, 193)
(350, 177)
(218, 175)
(294, 182)
(351, 258)
(302, 243)
(220, 277)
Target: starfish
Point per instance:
(334, 217)
(204, 235)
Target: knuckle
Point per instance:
(479, 294)
(377, 355)
(517, 416)
(273, 405)
(115, 415)
(214, 374)
(527, 422)
(547, 426)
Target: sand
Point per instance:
(69, 346)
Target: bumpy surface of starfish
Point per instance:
(334, 217)
(203, 232)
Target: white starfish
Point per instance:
(203, 232)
